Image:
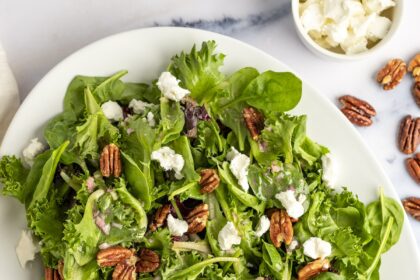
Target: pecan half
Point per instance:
(313, 268)
(149, 261)
(254, 121)
(412, 206)
(413, 167)
(392, 73)
(125, 270)
(60, 268)
(358, 111)
(51, 274)
(110, 161)
(113, 255)
(281, 228)
(209, 180)
(197, 218)
(160, 217)
(416, 92)
(414, 67)
(409, 135)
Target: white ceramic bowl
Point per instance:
(325, 53)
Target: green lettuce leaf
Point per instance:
(13, 176)
(198, 71)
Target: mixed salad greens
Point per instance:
(168, 138)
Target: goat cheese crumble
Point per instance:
(329, 172)
(34, 148)
(138, 106)
(168, 84)
(316, 248)
(169, 160)
(263, 226)
(26, 248)
(239, 164)
(293, 206)
(228, 237)
(176, 226)
(112, 111)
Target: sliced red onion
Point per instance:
(101, 224)
(90, 183)
(117, 225)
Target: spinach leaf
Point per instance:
(172, 120)
(198, 70)
(225, 106)
(379, 213)
(48, 171)
(273, 92)
(278, 267)
(182, 146)
(141, 184)
(245, 198)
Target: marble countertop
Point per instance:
(38, 34)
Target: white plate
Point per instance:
(145, 53)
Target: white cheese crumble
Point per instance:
(169, 160)
(293, 245)
(263, 226)
(176, 226)
(168, 84)
(26, 248)
(293, 206)
(348, 24)
(151, 119)
(329, 172)
(228, 237)
(316, 248)
(112, 111)
(138, 106)
(34, 148)
(239, 164)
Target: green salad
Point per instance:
(197, 175)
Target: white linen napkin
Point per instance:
(9, 95)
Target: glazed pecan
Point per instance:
(416, 93)
(409, 135)
(110, 161)
(113, 255)
(52, 274)
(313, 268)
(281, 228)
(60, 268)
(413, 167)
(254, 121)
(414, 67)
(126, 269)
(197, 218)
(149, 261)
(209, 180)
(392, 73)
(160, 217)
(358, 111)
(412, 206)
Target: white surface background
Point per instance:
(38, 34)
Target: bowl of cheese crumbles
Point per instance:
(346, 29)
